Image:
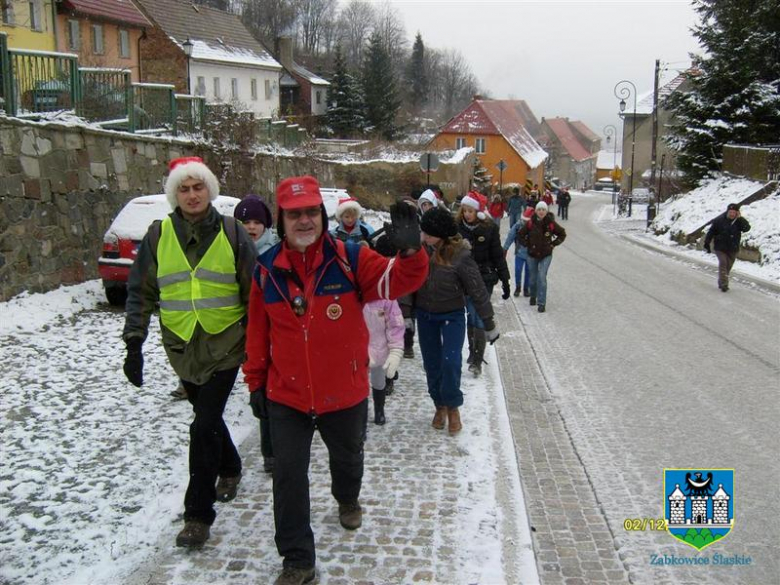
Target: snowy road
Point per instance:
(653, 367)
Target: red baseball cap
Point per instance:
(297, 192)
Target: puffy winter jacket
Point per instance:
(317, 362)
(542, 235)
(447, 286)
(485, 241)
(385, 329)
(361, 232)
(727, 233)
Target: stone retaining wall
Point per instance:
(61, 186)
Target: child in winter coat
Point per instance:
(541, 234)
(385, 325)
(521, 254)
(351, 228)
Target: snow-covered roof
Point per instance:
(308, 75)
(644, 104)
(608, 159)
(217, 36)
(498, 117)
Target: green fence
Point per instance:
(38, 81)
(190, 114)
(104, 96)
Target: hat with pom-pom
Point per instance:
(348, 203)
(439, 223)
(189, 167)
(428, 196)
(474, 200)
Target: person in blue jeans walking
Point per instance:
(521, 257)
(440, 309)
(515, 206)
(541, 234)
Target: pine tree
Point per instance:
(345, 100)
(379, 88)
(735, 93)
(416, 77)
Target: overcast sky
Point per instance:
(563, 58)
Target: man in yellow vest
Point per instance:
(198, 265)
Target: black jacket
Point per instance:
(727, 233)
(541, 235)
(487, 251)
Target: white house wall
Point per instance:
(262, 106)
(322, 107)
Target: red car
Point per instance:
(120, 244)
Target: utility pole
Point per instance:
(655, 122)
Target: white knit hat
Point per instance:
(541, 205)
(348, 203)
(470, 201)
(189, 167)
(429, 196)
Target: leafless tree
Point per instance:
(312, 17)
(268, 19)
(356, 23)
(392, 32)
(458, 82)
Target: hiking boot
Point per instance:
(526, 293)
(294, 576)
(268, 464)
(379, 406)
(193, 535)
(533, 301)
(227, 487)
(180, 393)
(470, 337)
(440, 418)
(389, 386)
(350, 515)
(475, 369)
(541, 309)
(517, 292)
(409, 352)
(454, 425)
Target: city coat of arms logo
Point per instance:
(699, 505)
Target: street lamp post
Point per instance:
(188, 45)
(623, 91)
(611, 133)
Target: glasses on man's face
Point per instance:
(296, 214)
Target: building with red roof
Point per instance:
(498, 130)
(573, 149)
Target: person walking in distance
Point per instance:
(441, 323)
(515, 206)
(307, 355)
(726, 230)
(197, 264)
(541, 234)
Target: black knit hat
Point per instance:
(253, 207)
(439, 223)
(734, 206)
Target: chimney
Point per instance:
(477, 97)
(284, 51)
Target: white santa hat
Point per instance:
(429, 196)
(189, 167)
(346, 204)
(470, 201)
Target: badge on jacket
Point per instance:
(334, 311)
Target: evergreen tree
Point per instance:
(734, 94)
(345, 100)
(415, 73)
(379, 88)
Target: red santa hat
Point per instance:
(346, 204)
(474, 200)
(189, 167)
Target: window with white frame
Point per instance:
(480, 146)
(97, 39)
(268, 90)
(74, 34)
(124, 44)
(36, 22)
(460, 143)
(234, 88)
(200, 87)
(254, 89)
(216, 88)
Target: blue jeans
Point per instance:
(537, 268)
(514, 216)
(441, 337)
(472, 317)
(520, 267)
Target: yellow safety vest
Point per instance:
(207, 294)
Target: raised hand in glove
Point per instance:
(392, 362)
(404, 231)
(506, 290)
(258, 402)
(134, 362)
(491, 331)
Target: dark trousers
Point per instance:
(725, 262)
(408, 338)
(212, 452)
(441, 338)
(563, 210)
(266, 448)
(343, 433)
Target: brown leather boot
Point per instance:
(454, 425)
(440, 418)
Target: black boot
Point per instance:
(379, 406)
(390, 385)
(479, 352)
(470, 336)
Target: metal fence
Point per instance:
(39, 81)
(104, 95)
(190, 114)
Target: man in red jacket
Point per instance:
(307, 355)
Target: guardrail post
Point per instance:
(129, 102)
(75, 84)
(174, 113)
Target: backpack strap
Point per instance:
(349, 265)
(231, 231)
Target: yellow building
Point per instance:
(498, 130)
(29, 24)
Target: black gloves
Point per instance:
(258, 403)
(506, 289)
(404, 232)
(134, 362)
(707, 249)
